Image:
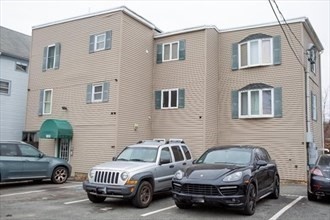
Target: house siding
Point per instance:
(211, 89)
(314, 81)
(284, 137)
(13, 106)
(135, 83)
(94, 127)
(188, 74)
(102, 130)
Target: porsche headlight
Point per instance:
(179, 174)
(233, 177)
(124, 176)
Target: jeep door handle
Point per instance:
(184, 164)
(172, 166)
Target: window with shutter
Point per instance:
(171, 51)
(257, 101)
(51, 57)
(256, 50)
(99, 42)
(169, 99)
(97, 92)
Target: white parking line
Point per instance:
(68, 203)
(278, 214)
(64, 187)
(15, 194)
(160, 210)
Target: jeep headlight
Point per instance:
(179, 175)
(233, 177)
(124, 176)
(91, 174)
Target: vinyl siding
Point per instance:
(13, 106)
(93, 125)
(135, 83)
(315, 87)
(211, 89)
(282, 137)
(188, 74)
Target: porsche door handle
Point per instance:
(172, 166)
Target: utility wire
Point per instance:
(286, 35)
(288, 25)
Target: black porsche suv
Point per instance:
(232, 176)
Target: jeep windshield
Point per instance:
(139, 154)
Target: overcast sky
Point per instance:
(173, 15)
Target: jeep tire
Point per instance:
(143, 196)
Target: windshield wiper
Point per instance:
(137, 160)
(123, 159)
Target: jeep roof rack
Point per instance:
(175, 140)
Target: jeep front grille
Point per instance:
(106, 177)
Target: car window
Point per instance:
(324, 161)
(178, 156)
(8, 149)
(165, 154)
(28, 151)
(232, 156)
(139, 154)
(186, 152)
(260, 155)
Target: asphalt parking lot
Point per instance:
(28, 200)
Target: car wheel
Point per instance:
(311, 196)
(143, 196)
(182, 205)
(251, 200)
(60, 175)
(276, 190)
(95, 199)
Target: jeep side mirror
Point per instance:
(114, 158)
(41, 155)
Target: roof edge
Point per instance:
(120, 8)
(14, 56)
(186, 30)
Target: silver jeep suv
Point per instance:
(138, 172)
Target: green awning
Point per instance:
(54, 128)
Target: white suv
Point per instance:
(138, 172)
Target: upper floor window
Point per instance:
(255, 53)
(51, 58)
(47, 102)
(314, 107)
(170, 99)
(312, 59)
(98, 42)
(97, 92)
(257, 100)
(21, 67)
(256, 103)
(4, 87)
(171, 51)
(256, 50)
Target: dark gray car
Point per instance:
(21, 161)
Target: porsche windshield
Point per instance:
(227, 155)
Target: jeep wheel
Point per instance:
(251, 200)
(95, 199)
(311, 196)
(183, 205)
(60, 175)
(143, 196)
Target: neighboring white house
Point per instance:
(14, 61)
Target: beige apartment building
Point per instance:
(102, 81)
